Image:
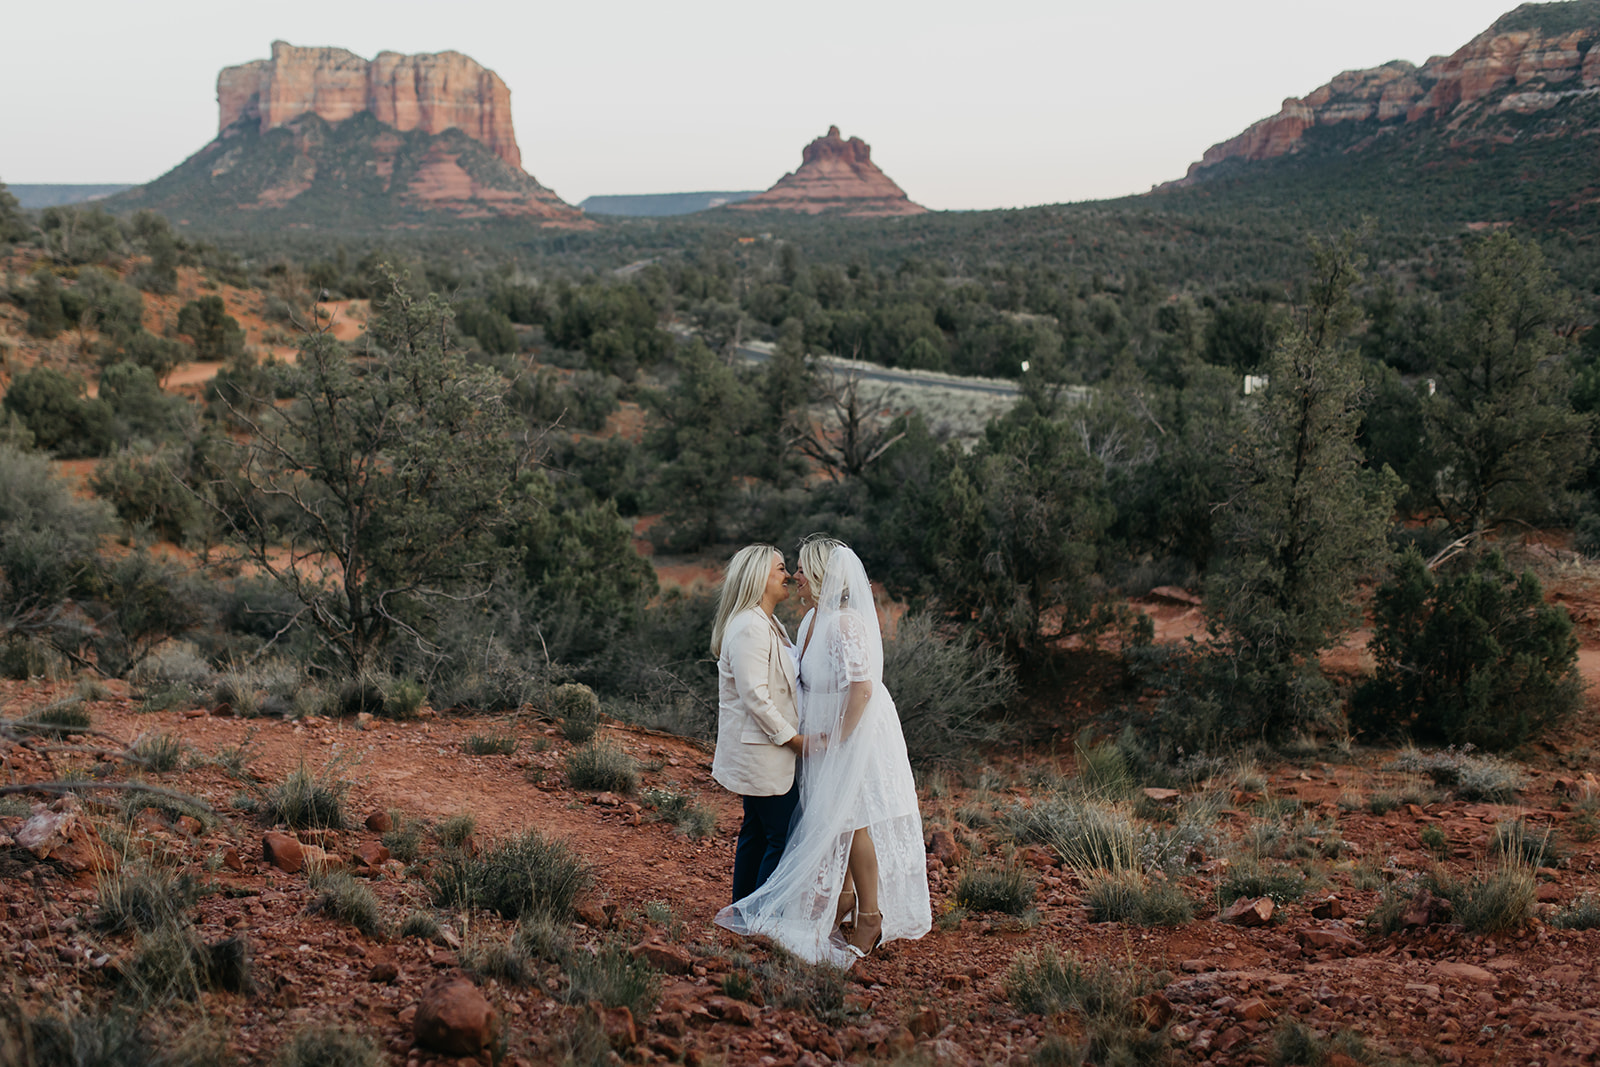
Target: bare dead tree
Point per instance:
(852, 434)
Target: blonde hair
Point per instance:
(815, 553)
(742, 586)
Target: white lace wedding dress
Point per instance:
(858, 779)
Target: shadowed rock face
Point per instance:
(835, 177)
(431, 93)
(1516, 67)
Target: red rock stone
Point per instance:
(232, 860)
(1331, 908)
(282, 852)
(1155, 1009)
(383, 973)
(733, 1011)
(617, 1024)
(1426, 909)
(1162, 796)
(664, 957)
(924, 1023)
(60, 833)
(672, 1022)
(1247, 912)
(454, 1018)
(379, 822)
(190, 825)
(1463, 972)
(942, 846)
(1254, 1010)
(835, 177)
(371, 854)
(1230, 1039)
(1329, 941)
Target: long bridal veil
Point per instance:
(858, 777)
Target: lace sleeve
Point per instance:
(849, 651)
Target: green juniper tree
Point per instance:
(381, 487)
(1501, 423)
(1306, 522)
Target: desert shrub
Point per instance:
(347, 900)
(948, 689)
(544, 937)
(1475, 778)
(64, 717)
(141, 488)
(505, 961)
(161, 752)
(1251, 878)
(1472, 658)
(306, 800)
(695, 820)
(1087, 834)
(328, 1045)
(1294, 1044)
(1502, 900)
(1103, 772)
(176, 663)
(1581, 914)
(62, 419)
(1433, 839)
(524, 875)
(496, 744)
(72, 1037)
(235, 759)
(1047, 982)
(1382, 803)
(140, 897)
(615, 978)
(144, 413)
(420, 924)
(379, 695)
(404, 840)
(1008, 889)
(144, 601)
(1515, 842)
(816, 989)
(600, 765)
(1127, 897)
(215, 333)
(22, 659)
(453, 831)
(174, 963)
(578, 709)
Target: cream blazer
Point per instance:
(756, 708)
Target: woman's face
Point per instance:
(804, 586)
(777, 589)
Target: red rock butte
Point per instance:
(431, 93)
(1501, 71)
(836, 177)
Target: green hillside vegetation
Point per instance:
(222, 186)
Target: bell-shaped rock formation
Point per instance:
(836, 177)
(1533, 60)
(319, 137)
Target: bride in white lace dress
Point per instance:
(855, 847)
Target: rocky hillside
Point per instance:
(319, 137)
(1530, 77)
(836, 177)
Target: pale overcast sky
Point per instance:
(1003, 103)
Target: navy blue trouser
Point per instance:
(762, 836)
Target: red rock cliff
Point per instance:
(836, 177)
(432, 93)
(1514, 66)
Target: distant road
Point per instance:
(760, 351)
